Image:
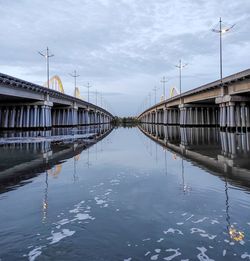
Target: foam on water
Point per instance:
(154, 257)
(200, 220)
(173, 231)
(202, 255)
(33, 254)
(83, 216)
(175, 254)
(245, 255)
(58, 236)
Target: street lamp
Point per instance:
(163, 81)
(88, 86)
(155, 89)
(221, 30)
(180, 66)
(74, 75)
(46, 55)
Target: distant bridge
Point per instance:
(223, 104)
(27, 105)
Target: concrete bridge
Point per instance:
(24, 105)
(225, 104)
(219, 152)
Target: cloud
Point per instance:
(122, 47)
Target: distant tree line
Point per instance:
(125, 121)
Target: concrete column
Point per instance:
(87, 117)
(231, 115)
(35, 116)
(202, 116)
(237, 115)
(42, 116)
(208, 116)
(243, 114)
(13, 117)
(6, 117)
(27, 125)
(228, 115)
(247, 117)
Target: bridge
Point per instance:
(25, 105)
(221, 103)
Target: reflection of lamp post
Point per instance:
(165, 160)
(185, 187)
(234, 234)
(47, 56)
(221, 31)
(45, 200)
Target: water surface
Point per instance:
(159, 193)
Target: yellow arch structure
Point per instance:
(55, 83)
(77, 93)
(55, 171)
(173, 92)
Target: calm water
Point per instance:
(151, 194)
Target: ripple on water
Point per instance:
(202, 255)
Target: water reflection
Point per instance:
(225, 154)
(19, 162)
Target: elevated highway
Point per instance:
(224, 104)
(27, 105)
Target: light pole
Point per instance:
(46, 55)
(74, 75)
(88, 86)
(155, 89)
(180, 66)
(149, 95)
(163, 81)
(96, 97)
(221, 31)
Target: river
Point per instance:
(148, 193)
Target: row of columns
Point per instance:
(29, 116)
(234, 115)
(226, 115)
(46, 116)
(163, 116)
(198, 116)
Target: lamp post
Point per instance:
(220, 30)
(74, 75)
(96, 97)
(88, 86)
(163, 81)
(180, 66)
(155, 89)
(46, 55)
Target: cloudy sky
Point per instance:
(123, 47)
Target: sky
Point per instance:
(123, 48)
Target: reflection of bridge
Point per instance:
(24, 161)
(27, 105)
(223, 153)
(214, 104)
